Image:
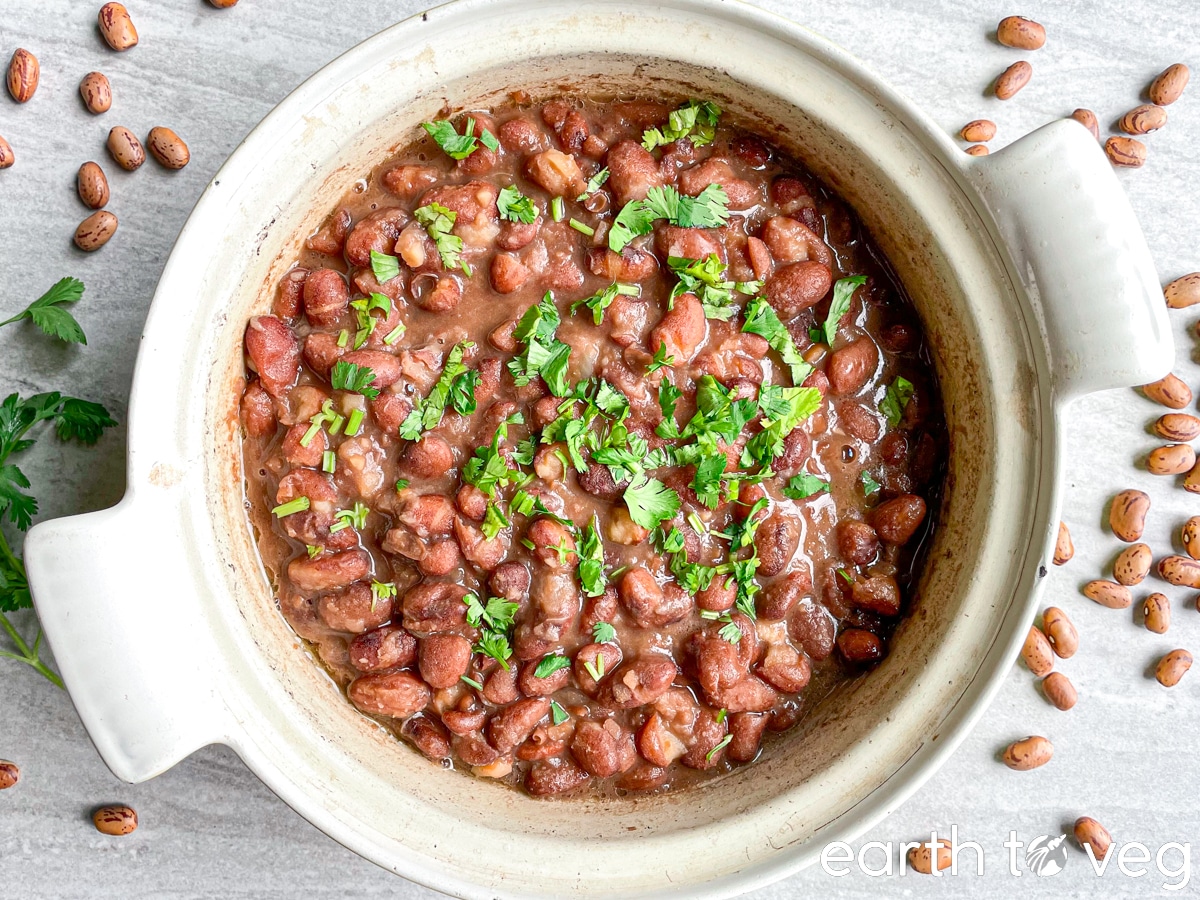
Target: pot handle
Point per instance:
(100, 582)
(1077, 248)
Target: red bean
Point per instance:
(430, 457)
(377, 231)
(258, 412)
(603, 749)
(331, 236)
(442, 658)
(650, 605)
(428, 736)
(329, 572)
(850, 366)
(290, 296)
(434, 606)
(776, 539)
(384, 366)
(513, 724)
(898, 519)
(533, 686)
(508, 273)
(860, 646)
(879, 594)
(274, 354)
(602, 659)
(553, 544)
(857, 542)
(396, 694)
(326, 296)
(389, 647)
(354, 609)
(501, 686)
(741, 193)
(747, 731)
(639, 682)
(409, 181)
(510, 580)
(632, 172)
(321, 352)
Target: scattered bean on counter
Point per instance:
(1183, 292)
(1170, 391)
(1126, 152)
(10, 774)
(125, 148)
(1177, 427)
(115, 820)
(223, 4)
(1182, 571)
(1012, 79)
(1031, 753)
(1172, 667)
(1037, 652)
(92, 185)
(96, 92)
(920, 859)
(1143, 119)
(168, 148)
(23, 74)
(1108, 593)
(1088, 120)
(1192, 481)
(1169, 85)
(1021, 33)
(1058, 690)
(1060, 631)
(6, 154)
(978, 131)
(117, 27)
(1127, 518)
(1133, 565)
(1093, 836)
(1173, 459)
(1190, 536)
(94, 231)
(1063, 548)
(1156, 611)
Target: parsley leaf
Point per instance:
(895, 400)
(661, 359)
(438, 222)
(790, 406)
(705, 279)
(843, 291)
(515, 206)
(558, 715)
(20, 507)
(802, 486)
(494, 521)
(489, 468)
(427, 414)
(384, 267)
(46, 311)
(354, 378)
(602, 299)
(459, 146)
(762, 320)
(544, 354)
(591, 561)
(696, 120)
(551, 663)
(650, 501)
(709, 209)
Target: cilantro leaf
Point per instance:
(708, 209)
(551, 663)
(544, 354)
(705, 279)
(762, 320)
(354, 378)
(602, 299)
(384, 267)
(591, 561)
(707, 481)
(895, 400)
(632, 221)
(603, 633)
(427, 413)
(843, 291)
(495, 645)
(20, 507)
(802, 486)
(462, 392)
(798, 404)
(46, 311)
(696, 120)
(869, 484)
(457, 146)
(438, 222)
(650, 501)
(515, 206)
(594, 184)
(558, 715)
(661, 360)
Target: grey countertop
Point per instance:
(1125, 755)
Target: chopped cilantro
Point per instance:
(709, 209)
(515, 206)
(843, 291)
(695, 120)
(356, 379)
(762, 320)
(602, 299)
(494, 521)
(551, 663)
(661, 360)
(895, 400)
(604, 633)
(869, 484)
(802, 486)
(462, 392)
(459, 146)
(488, 468)
(705, 279)
(721, 745)
(495, 645)
(366, 322)
(438, 222)
(801, 402)
(650, 501)
(427, 414)
(544, 354)
(384, 267)
(557, 714)
(591, 560)
(594, 184)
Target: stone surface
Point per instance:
(210, 828)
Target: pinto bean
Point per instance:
(384, 366)
(274, 354)
(388, 647)
(850, 367)
(1037, 653)
(795, 454)
(354, 609)
(747, 730)
(719, 596)
(330, 238)
(705, 751)
(897, 520)
(321, 352)
(921, 857)
(1109, 594)
(553, 544)
(1058, 690)
(1063, 548)
(547, 741)
(326, 296)
(858, 542)
(118, 820)
(289, 298)
(776, 541)
(1127, 516)
(556, 172)
(603, 749)
(1172, 667)
(510, 580)
(518, 235)
(481, 552)
(1060, 631)
(1156, 613)
(1030, 753)
(513, 724)
(408, 181)
(859, 646)
(445, 295)
(681, 331)
(741, 193)
(1133, 564)
(630, 265)
(811, 627)
(520, 135)
(599, 609)
(258, 412)
(779, 597)
(552, 777)
(1093, 836)
(427, 735)
(639, 682)
(879, 593)
(658, 744)
(429, 457)
(434, 606)
(501, 688)
(329, 572)
(650, 605)
(377, 231)
(395, 694)
(632, 172)
(533, 686)
(687, 243)
(508, 273)
(797, 286)
(791, 241)
(443, 658)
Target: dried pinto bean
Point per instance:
(1093, 837)
(115, 820)
(1060, 631)
(1156, 613)
(116, 27)
(125, 148)
(95, 231)
(1021, 33)
(23, 74)
(1170, 391)
(1143, 119)
(1012, 79)
(92, 186)
(1058, 690)
(1183, 292)
(168, 148)
(6, 154)
(1172, 667)
(1030, 753)
(1178, 427)
(921, 857)
(1088, 120)
(1180, 570)
(1037, 653)
(96, 93)
(1168, 86)
(1190, 535)
(1127, 516)
(1064, 549)
(1173, 459)
(1126, 152)
(10, 774)
(978, 131)
(1133, 565)
(1108, 593)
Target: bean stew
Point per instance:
(590, 442)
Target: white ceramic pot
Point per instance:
(1034, 284)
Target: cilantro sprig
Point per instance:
(762, 320)
(438, 222)
(708, 209)
(696, 120)
(354, 378)
(544, 354)
(843, 291)
(895, 400)
(459, 146)
(48, 314)
(603, 299)
(706, 279)
(427, 413)
(515, 206)
(495, 622)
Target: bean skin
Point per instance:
(274, 353)
(849, 367)
(389, 647)
(442, 658)
(395, 694)
(513, 724)
(329, 572)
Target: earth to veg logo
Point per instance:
(1046, 855)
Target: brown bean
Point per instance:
(1156, 613)
(1058, 690)
(92, 185)
(1177, 427)
(1093, 837)
(556, 172)
(395, 694)
(168, 148)
(7, 158)
(533, 686)
(776, 541)
(1021, 33)
(1088, 120)
(429, 457)
(389, 647)
(125, 148)
(427, 735)
(434, 606)
(96, 93)
(1037, 653)
(797, 286)
(273, 353)
(329, 571)
(116, 27)
(1169, 85)
(681, 330)
(508, 273)
(23, 73)
(513, 724)
(1012, 79)
(1172, 667)
(553, 544)
(1190, 535)
(1180, 570)
(551, 777)
(603, 749)
(860, 646)
(115, 820)
(443, 658)
(633, 171)
(1191, 481)
(1060, 631)
(1127, 516)
(1030, 753)
(920, 858)
(1126, 152)
(1143, 119)
(777, 598)
(1133, 565)
(1173, 459)
(1064, 549)
(1170, 391)
(811, 627)
(978, 131)
(639, 682)
(1183, 291)
(95, 231)
(978, 150)
(223, 4)
(746, 730)
(10, 774)
(354, 609)
(897, 520)
(850, 367)
(1108, 593)
(878, 593)
(650, 605)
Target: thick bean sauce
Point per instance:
(590, 441)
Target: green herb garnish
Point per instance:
(843, 291)
(695, 120)
(515, 206)
(438, 222)
(895, 400)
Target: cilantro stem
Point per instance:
(27, 655)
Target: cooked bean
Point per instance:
(1133, 565)
(878, 593)
(1037, 653)
(1064, 549)
(378, 231)
(632, 172)
(553, 544)
(274, 354)
(650, 605)
(428, 736)
(811, 627)
(556, 172)
(1182, 293)
(1058, 690)
(389, 647)
(125, 148)
(1093, 837)
(1060, 631)
(1127, 516)
(329, 572)
(434, 606)
(897, 520)
(1030, 753)
(554, 776)
(850, 366)
(1172, 667)
(1021, 33)
(776, 541)
(168, 148)
(860, 646)
(1012, 79)
(95, 231)
(641, 681)
(428, 457)
(513, 724)
(797, 286)
(1108, 593)
(1156, 613)
(443, 658)
(96, 93)
(115, 820)
(681, 330)
(1173, 459)
(779, 597)
(603, 749)
(395, 694)
(1168, 86)
(978, 131)
(747, 730)
(116, 27)
(533, 686)
(508, 273)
